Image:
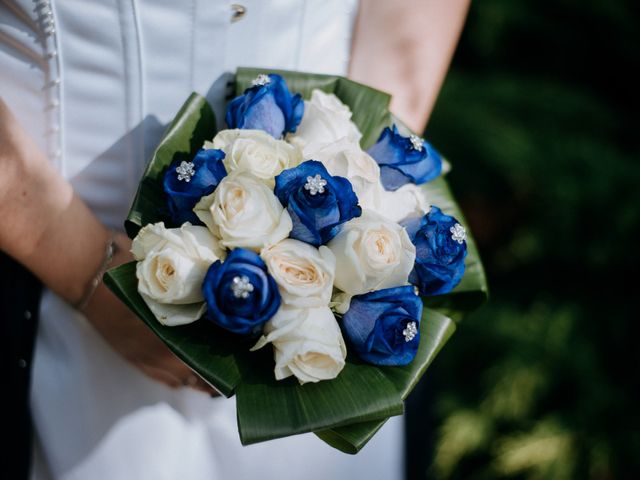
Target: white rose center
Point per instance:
(303, 273)
(317, 360)
(165, 272)
(381, 246)
(298, 273)
(234, 202)
(251, 156)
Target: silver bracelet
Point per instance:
(110, 250)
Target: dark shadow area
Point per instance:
(538, 117)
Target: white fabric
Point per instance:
(96, 95)
(99, 419)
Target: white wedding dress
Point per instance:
(95, 82)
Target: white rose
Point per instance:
(345, 159)
(409, 200)
(171, 266)
(326, 119)
(243, 212)
(348, 160)
(304, 274)
(372, 253)
(256, 152)
(306, 342)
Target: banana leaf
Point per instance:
(345, 412)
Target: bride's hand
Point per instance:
(132, 339)
(48, 229)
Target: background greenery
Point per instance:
(539, 117)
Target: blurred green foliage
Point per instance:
(539, 117)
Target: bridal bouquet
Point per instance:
(308, 259)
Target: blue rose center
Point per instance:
(396, 332)
(317, 201)
(239, 294)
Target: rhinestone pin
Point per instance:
(241, 287)
(261, 80)
(416, 142)
(410, 331)
(458, 233)
(315, 184)
(185, 171)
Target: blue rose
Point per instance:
(317, 202)
(241, 296)
(186, 182)
(383, 326)
(404, 159)
(268, 105)
(441, 248)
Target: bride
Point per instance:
(86, 90)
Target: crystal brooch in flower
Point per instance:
(315, 184)
(241, 287)
(458, 233)
(261, 80)
(185, 171)
(410, 331)
(416, 142)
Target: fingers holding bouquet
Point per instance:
(130, 338)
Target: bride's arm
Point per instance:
(41, 217)
(49, 230)
(404, 48)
